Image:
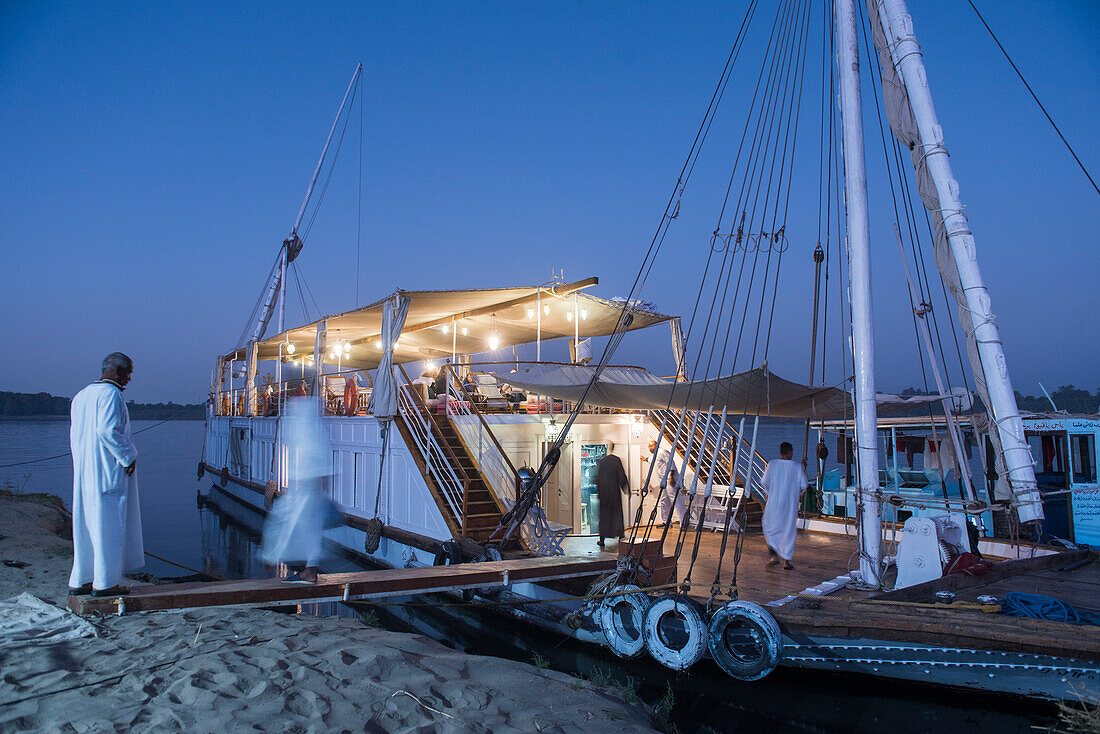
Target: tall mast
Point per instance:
(859, 273)
(984, 341)
(275, 289)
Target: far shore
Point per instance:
(38, 418)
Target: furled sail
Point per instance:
(1016, 477)
(757, 391)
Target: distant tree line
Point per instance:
(1067, 397)
(18, 404)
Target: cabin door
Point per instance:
(557, 495)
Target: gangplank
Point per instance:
(343, 586)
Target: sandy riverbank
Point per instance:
(229, 670)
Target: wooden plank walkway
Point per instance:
(342, 586)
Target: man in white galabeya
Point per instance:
(670, 499)
(106, 518)
(784, 481)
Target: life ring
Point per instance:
(621, 617)
(675, 631)
(449, 554)
(744, 640)
(224, 476)
(351, 396)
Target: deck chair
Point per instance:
(488, 388)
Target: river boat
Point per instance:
(445, 450)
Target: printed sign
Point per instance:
(1086, 516)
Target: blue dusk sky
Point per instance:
(154, 156)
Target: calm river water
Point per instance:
(707, 701)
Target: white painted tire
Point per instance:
(676, 631)
(489, 554)
(744, 640)
(622, 618)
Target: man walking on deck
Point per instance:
(106, 517)
(670, 498)
(783, 482)
(611, 484)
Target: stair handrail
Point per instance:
(758, 463)
(439, 460)
(489, 457)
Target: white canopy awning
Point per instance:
(758, 390)
(465, 321)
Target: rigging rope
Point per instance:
(1050, 119)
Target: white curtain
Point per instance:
(384, 397)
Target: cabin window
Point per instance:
(1048, 450)
(1083, 453)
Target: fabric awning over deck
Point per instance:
(464, 321)
(758, 390)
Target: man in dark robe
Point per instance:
(611, 482)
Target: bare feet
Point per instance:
(773, 561)
(787, 566)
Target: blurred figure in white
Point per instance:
(670, 500)
(294, 527)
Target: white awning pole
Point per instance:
(538, 328)
(906, 55)
(859, 273)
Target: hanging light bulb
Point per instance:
(378, 344)
(546, 310)
(530, 313)
(494, 341)
(569, 316)
(584, 313)
(445, 329)
(465, 331)
(290, 348)
(347, 347)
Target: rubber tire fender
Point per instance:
(607, 616)
(488, 555)
(202, 470)
(763, 628)
(449, 554)
(223, 476)
(695, 623)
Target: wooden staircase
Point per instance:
(481, 514)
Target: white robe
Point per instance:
(784, 481)
(106, 516)
(670, 498)
(295, 526)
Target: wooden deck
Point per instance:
(818, 557)
(342, 586)
(906, 615)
